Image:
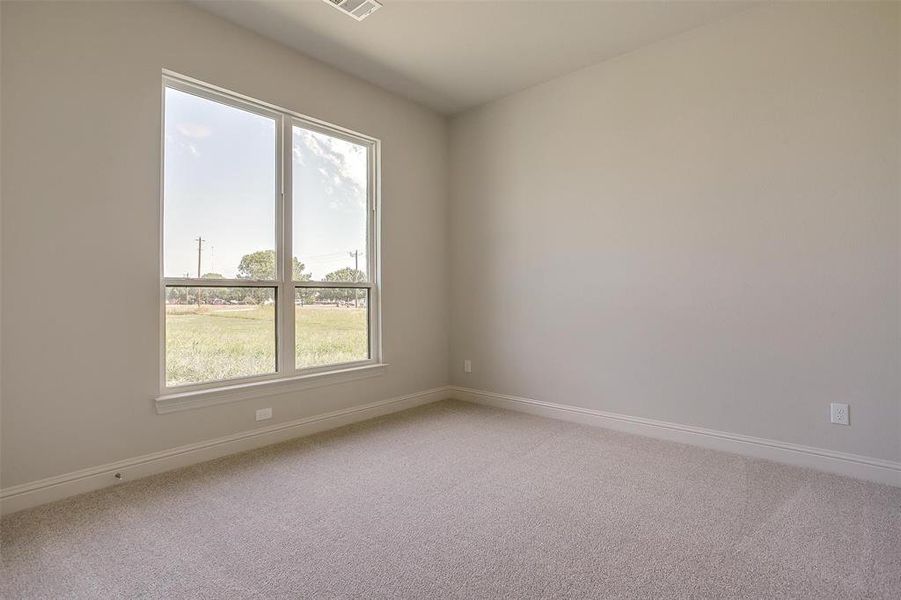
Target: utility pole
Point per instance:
(356, 255)
(200, 242)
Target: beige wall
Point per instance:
(80, 239)
(704, 231)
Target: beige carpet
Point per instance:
(453, 500)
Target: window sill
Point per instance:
(260, 389)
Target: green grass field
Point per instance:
(209, 342)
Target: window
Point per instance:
(269, 242)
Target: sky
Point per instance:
(220, 185)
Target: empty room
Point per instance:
(450, 299)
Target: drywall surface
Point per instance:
(81, 192)
(704, 231)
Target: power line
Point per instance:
(308, 257)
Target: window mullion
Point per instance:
(187, 282)
(363, 285)
(286, 254)
(373, 231)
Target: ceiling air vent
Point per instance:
(358, 9)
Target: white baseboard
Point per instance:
(27, 495)
(32, 494)
(851, 465)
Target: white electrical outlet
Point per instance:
(264, 413)
(838, 413)
(467, 366)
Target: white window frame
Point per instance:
(190, 395)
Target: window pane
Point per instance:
(220, 188)
(329, 183)
(331, 326)
(219, 333)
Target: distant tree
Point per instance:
(305, 295)
(257, 265)
(177, 295)
(205, 295)
(299, 274)
(261, 265)
(346, 274)
(337, 295)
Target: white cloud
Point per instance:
(193, 130)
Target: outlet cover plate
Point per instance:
(838, 413)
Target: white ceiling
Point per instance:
(452, 55)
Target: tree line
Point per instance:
(261, 265)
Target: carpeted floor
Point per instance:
(453, 500)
